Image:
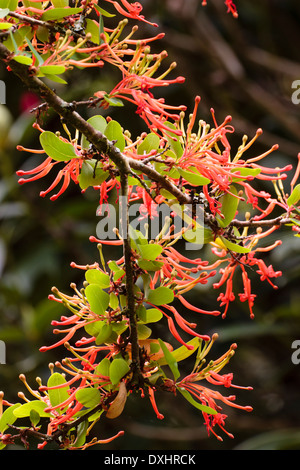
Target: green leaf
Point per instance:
(194, 178)
(199, 406)
(114, 132)
(295, 196)
(170, 359)
(118, 272)
(94, 276)
(34, 417)
(55, 78)
(150, 251)
(174, 141)
(57, 395)
(91, 177)
(103, 367)
(56, 148)
(59, 13)
(8, 417)
(93, 328)
(182, 352)
(112, 101)
(160, 296)
(60, 3)
(52, 69)
(144, 331)
(92, 27)
(229, 207)
(151, 142)
(245, 172)
(150, 315)
(117, 370)
(104, 12)
(89, 397)
(23, 59)
(99, 123)
(233, 246)
(150, 265)
(5, 25)
(24, 410)
(11, 5)
(39, 58)
(113, 301)
(104, 334)
(81, 434)
(97, 298)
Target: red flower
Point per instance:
(133, 10)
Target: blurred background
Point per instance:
(244, 68)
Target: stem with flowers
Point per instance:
(178, 163)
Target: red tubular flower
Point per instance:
(153, 403)
(133, 10)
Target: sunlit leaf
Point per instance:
(8, 417)
(105, 333)
(150, 251)
(295, 196)
(143, 331)
(199, 406)
(11, 5)
(56, 148)
(160, 296)
(5, 25)
(193, 177)
(150, 315)
(89, 397)
(94, 276)
(151, 142)
(52, 69)
(229, 207)
(224, 243)
(89, 176)
(183, 352)
(57, 395)
(97, 298)
(99, 123)
(170, 359)
(59, 13)
(117, 370)
(114, 133)
(24, 410)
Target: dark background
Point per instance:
(244, 68)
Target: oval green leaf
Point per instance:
(114, 133)
(57, 395)
(89, 397)
(194, 178)
(94, 276)
(24, 410)
(59, 13)
(229, 207)
(151, 142)
(160, 296)
(56, 148)
(117, 370)
(52, 69)
(233, 246)
(97, 298)
(150, 251)
(99, 123)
